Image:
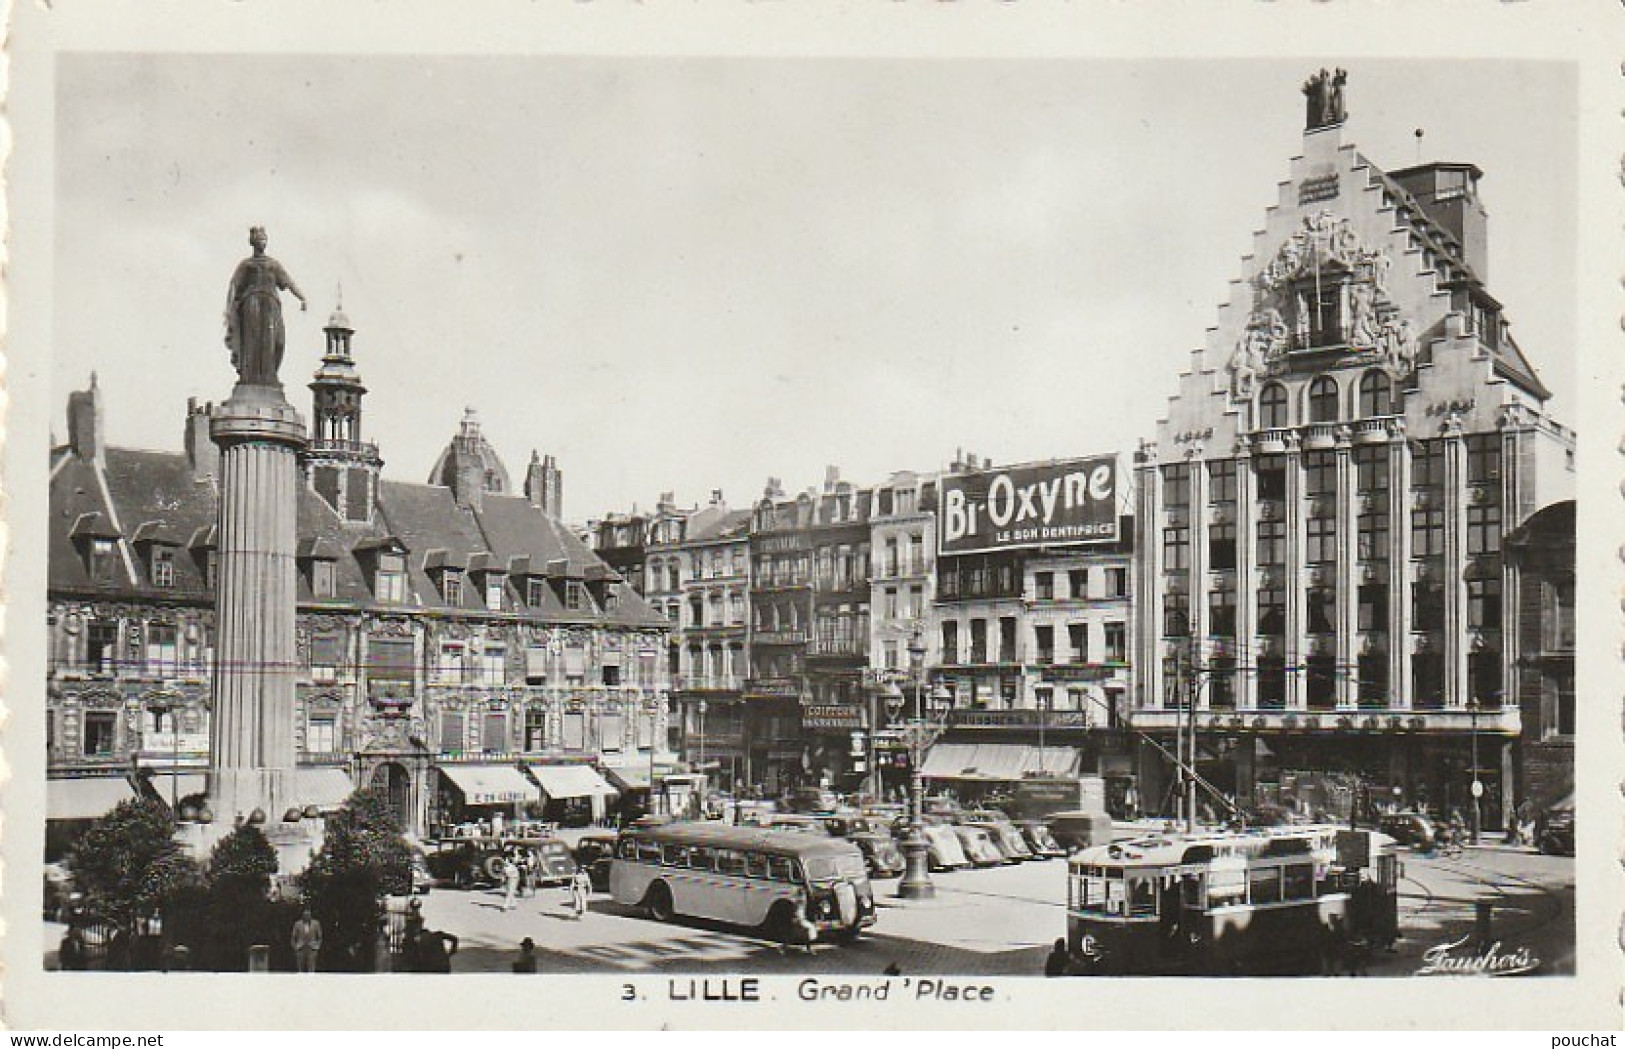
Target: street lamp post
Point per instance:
(701, 708)
(916, 882)
(160, 708)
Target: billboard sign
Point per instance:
(1040, 504)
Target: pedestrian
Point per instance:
(526, 962)
(580, 889)
(510, 882)
(435, 949)
(307, 941)
(70, 956)
(1059, 963)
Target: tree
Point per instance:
(239, 906)
(128, 863)
(363, 858)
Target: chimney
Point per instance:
(774, 489)
(832, 474)
(468, 476)
(544, 484)
(201, 451)
(716, 497)
(85, 422)
(667, 503)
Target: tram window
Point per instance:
(1191, 890)
(1142, 896)
(1264, 884)
(1226, 889)
(1298, 881)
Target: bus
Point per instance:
(1259, 903)
(797, 887)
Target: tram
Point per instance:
(1269, 902)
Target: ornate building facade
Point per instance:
(1322, 516)
(457, 645)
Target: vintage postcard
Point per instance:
(954, 515)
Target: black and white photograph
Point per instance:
(796, 532)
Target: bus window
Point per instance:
(781, 868)
(730, 862)
(626, 849)
(1264, 885)
(1142, 896)
(1298, 881)
(755, 865)
(675, 855)
(649, 852)
(702, 859)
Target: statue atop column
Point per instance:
(254, 330)
(1323, 93)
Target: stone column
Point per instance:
(1348, 577)
(1296, 578)
(1246, 580)
(252, 743)
(1455, 560)
(1400, 575)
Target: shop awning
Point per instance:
(998, 762)
(325, 788)
(571, 781)
(490, 784)
(628, 777)
(85, 799)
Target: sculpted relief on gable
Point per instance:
(1323, 289)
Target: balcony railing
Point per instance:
(780, 637)
(366, 448)
(710, 683)
(838, 647)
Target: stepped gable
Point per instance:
(516, 528)
(427, 519)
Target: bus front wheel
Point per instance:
(658, 902)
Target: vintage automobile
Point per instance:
(1040, 840)
(593, 854)
(1005, 834)
(943, 849)
(1409, 828)
(468, 862)
(1080, 830)
(978, 846)
(874, 839)
(810, 799)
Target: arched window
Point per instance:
(1323, 400)
(1272, 406)
(1376, 395)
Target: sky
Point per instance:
(683, 274)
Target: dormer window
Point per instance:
(323, 582)
(493, 591)
(535, 591)
(163, 567)
(389, 580)
(575, 595)
(103, 557)
(451, 586)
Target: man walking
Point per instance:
(307, 941)
(580, 889)
(510, 882)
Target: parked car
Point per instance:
(1005, 838)
(1409, 828)
(422, 880)
(1040, 840)
(593, 854)
(1554, 831)
(468, 862)
(943, 849)
(978, 846)
(874, 839)
(798, 822)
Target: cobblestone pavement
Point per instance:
(999, 921)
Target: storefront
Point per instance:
(483, 794)
(573, 795)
